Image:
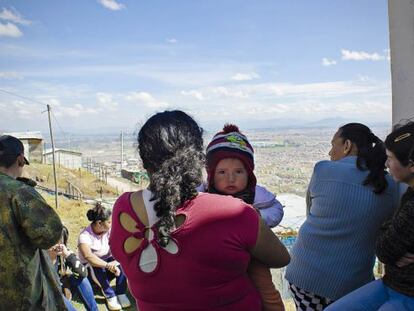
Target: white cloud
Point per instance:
(20, 109)
(106, 102)
(112, 5)
(76, 110)
(145, 99)
(229, 92)
(311, 101)
(10, 30)
(139, 96)
(195, 94)
(69, 110)
(53, 102)
(172, 40)
(328, 62)
(13, 16)
(290, 90)
(10, 75)
(360, 55)
(245, 76)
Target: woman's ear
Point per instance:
(347, 146)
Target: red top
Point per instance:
(209, 271)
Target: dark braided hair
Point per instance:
(371, 154)
(171, 148)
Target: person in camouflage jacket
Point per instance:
(28, 227)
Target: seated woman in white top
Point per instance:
(94, 250)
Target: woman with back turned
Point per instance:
(395, 242)
(348, 199)
(180, 249)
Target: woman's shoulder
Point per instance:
(123, 199)
(324, 167)
(86, 230)
(86, 235)
(328, 164)
(221, 203)
(347, 165)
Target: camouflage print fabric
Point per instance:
(28, 227)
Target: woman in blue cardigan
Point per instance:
(395, 242)
(348, 199)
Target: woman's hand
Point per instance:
(94, 261)
(405, 260)
(63, 251)
(112, 266)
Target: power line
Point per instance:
(39, 103)
(23, 97)
(58, 124)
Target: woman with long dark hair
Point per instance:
(348, 199)
(180, 249)
(395, 243)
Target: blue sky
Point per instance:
(111, 64)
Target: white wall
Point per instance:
(401, 23)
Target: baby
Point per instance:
(230, 165)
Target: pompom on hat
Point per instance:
(230, 143)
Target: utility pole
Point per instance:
(122, 149)
(53, 156)
(44, 161)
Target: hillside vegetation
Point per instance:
(88, 183)
(72, 212)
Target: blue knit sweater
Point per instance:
(335, 249)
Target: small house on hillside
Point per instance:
(33, 145)
(63, 157)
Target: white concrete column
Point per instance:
(401, 24)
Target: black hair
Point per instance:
(371, 154)
(98, 213)
(401, 143)
(170, 144)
